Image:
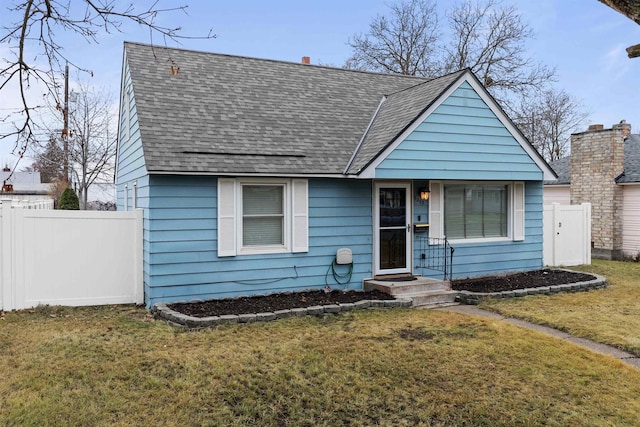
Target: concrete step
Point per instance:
(404, 288)
(433, 298)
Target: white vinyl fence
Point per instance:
(69, 257)
(567, 234)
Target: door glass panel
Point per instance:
(393, 248)
(393, 207)
(392, 233)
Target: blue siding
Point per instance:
(461, 140)
(181, 243)
(130, 160)
(477, 259)
(130, 166)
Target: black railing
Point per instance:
(434, 255)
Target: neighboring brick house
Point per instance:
(604, 170)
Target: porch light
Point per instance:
(424, 193)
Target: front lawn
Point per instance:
(610, 315)
(390, 367)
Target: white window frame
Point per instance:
(126, 197)
(230, 216)
(134, 195)
(285, 247)
(515, 211)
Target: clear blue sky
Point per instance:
(584, 39)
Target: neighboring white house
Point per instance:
(604, 170)
(26, 185)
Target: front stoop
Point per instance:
(424, 292)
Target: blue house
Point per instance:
(254, 173)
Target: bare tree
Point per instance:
(549, 121)
(490, 39)
(49, 160)
(92, 142)
(32, 30)
(403, 43)
(484, 36)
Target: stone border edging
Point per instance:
(474, 298)
(162, 311)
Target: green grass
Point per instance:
(116, 366)
(610, 315)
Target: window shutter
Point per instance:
(435, 210)
(300, 218)
(518, 211)
(226, 217)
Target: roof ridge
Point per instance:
(429, 81)
(282, 61)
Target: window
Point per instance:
(473, 211)
(263, 215)
(258, 216)
(460, 211)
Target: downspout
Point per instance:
(364, 135)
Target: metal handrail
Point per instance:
(435, 254)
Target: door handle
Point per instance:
(408, 227)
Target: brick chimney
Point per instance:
(306, 60)
(597, 158)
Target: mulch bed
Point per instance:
(273, 302)
(289, 300)
(530, 279)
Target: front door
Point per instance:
(392, 228)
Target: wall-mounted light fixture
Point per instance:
(424, 193)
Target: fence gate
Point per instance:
(567, 234)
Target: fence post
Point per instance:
(139, 242)
(6, 271)
(556, 232)
(587, 221)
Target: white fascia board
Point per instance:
(548, 175)
(122, 79)
(364, 135)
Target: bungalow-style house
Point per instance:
(253, 175)
(604, 170)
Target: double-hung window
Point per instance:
(263, 219)
(477, 211)
(258, 216)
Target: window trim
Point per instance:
(296, 216)
(285, 247)
(515, 214)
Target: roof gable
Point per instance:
(397, 112)
(455, 127)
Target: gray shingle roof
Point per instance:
(229, 114)
(631, 160)
(562, 168)
(631, 173)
